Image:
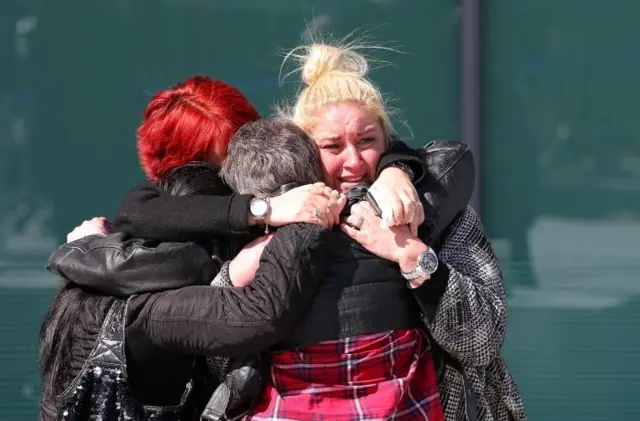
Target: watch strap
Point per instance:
(262, 218)
(419, 271)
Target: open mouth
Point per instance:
(352, 180)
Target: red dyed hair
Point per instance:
(191, 121)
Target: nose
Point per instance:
(353, 158)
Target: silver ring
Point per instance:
(358, 223)
(316, 212)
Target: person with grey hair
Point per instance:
(360, 295)
(268, 155)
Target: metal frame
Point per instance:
(470, 88)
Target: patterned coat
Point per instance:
(470, 323)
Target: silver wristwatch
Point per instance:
(260, 209)
(427, 264)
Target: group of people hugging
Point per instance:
(305, 266)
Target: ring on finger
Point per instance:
(365, 205)
(358, 223)
(316, 212)
(412, 210)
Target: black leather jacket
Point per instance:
(165, 330)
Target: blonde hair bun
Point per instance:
(323, 59)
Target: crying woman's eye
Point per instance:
(330, 147)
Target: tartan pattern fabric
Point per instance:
(470, 324)
(386, 376)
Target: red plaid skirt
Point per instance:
(386, 376)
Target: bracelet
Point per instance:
(405, 168)
(421, 279)
(267, 216)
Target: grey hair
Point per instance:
(266, 154)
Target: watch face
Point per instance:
(428, 261)
(259, 208)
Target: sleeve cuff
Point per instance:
(223, 279)
(432, 290)
(238, 214)
(399, 152)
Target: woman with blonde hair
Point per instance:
(455, 278)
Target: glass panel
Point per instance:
(561, 199)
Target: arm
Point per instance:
(444, 190)
(233, 321)
(400, 152)
(464, 300)
(118, 266)
(146, 212)
(240, 271)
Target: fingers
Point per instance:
(381, 200)
(336, 204)
(412, 211)
(408, 206)
(318, 211)
(413, 226)
(98, 224)
(328, 191)
(390, 206)
(398, 208)
(355, 221)
(370, 219)
(327, 204)
(94, 226)
(418, 209)
(363, 209)
(350, 231)
(317, 188)
(313, 203)
(418, 218)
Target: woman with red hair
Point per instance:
(194, 121)
(191, 121)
